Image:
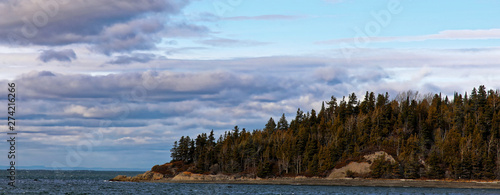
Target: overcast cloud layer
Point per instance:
(107, 26)
(112, 84)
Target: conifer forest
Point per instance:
(430, 136)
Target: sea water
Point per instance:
(96, 182)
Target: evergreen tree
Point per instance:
(174, 152)
(270, 126)
(435, 171)
(283, 123)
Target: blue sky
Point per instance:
(113, 84)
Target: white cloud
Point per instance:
(109, 111)
(479, 34)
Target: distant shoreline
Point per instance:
(348, 182)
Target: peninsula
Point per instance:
(410, 140)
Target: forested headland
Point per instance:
(429, 136)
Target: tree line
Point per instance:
(429, 136)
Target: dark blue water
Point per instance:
(95, 182)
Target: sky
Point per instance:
(112, 84)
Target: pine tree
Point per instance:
(352, 105)
(435, 171)
(270, 126)
(283, 123)
(379, 167)
(174, 152)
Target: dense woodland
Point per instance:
(430, 136)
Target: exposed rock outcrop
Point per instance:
(147, 176)
(360, 168)
(188, 176)
(121, 178)
(372, 157)
(184, 176)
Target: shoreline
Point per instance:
(348, 182)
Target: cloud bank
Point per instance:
(108, 27)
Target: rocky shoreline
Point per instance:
(179, 173)
(187, 177)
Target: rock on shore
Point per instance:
(188, 176)
(147, 176)
(359, 167)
